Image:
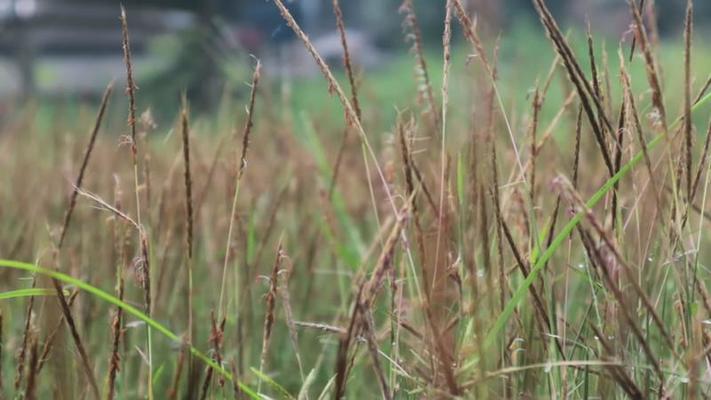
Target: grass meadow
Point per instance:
(516, 217)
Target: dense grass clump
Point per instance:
(485, 238)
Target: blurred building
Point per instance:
(64, 30)
(81, 38)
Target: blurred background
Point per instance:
(59, 49)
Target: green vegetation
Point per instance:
(513, 221)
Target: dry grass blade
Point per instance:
(26, 336)
(334, 86)
(593, 66)
(185, 133)
(144, 267)
(84, 356)
(619, 148)
(447, 61)
(117, 332)
(385, 261)
(130, 84)
(470, 33)
(102, 204)
(347, 338)
(415, 37)
(634, 115)
(85, 162)
(369, 331)
(269, 315)
(423, 185)
(503, 287)
(634, 39)
(472, 36)
(537, 104)
(586, 94)
(578, 137)
(348, 63)
(246, 132)
(216, 335)
(410, 189)
(321, 327)
(283, 291)
(119, 237)
(703, 90)
(185, 129)
(32, 375)
(702, 165)
(578, 364)
(206, 384)
(173, 392)
(688, 123)
(142, 261)
(51, 337)
(131, 92)
(652, 73)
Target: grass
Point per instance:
(521, 223)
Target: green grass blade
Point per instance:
(520, 293)
(16, 294)
(129, 309)
(541, 261)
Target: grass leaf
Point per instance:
(135, 312)
(540, 262)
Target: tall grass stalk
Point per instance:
(242, 165)
(144, 257)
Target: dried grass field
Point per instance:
(482, 236)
